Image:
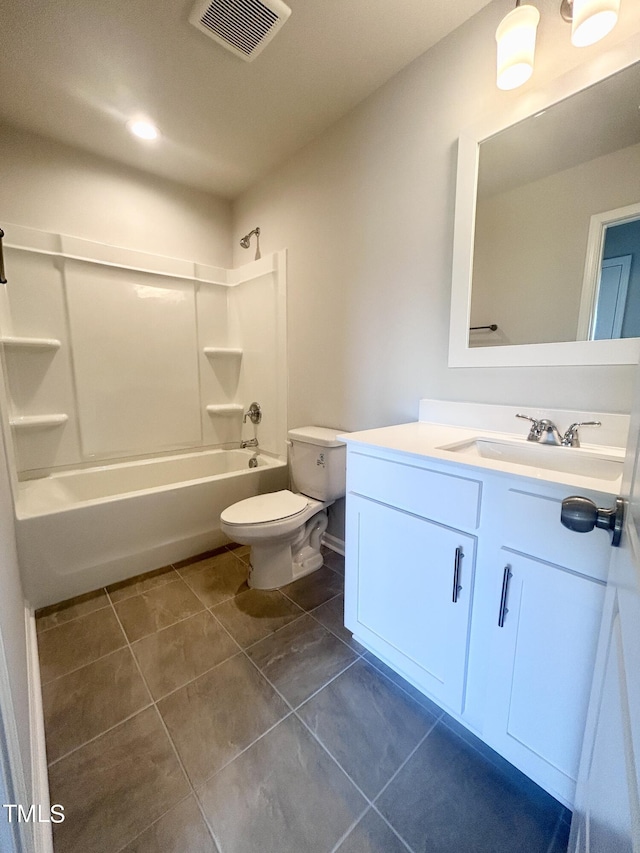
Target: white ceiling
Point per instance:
(77, 70)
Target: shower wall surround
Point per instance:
(110, 353)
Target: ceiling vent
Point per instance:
(244, 27)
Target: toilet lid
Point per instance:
(262, 508)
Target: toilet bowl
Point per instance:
(284, 529)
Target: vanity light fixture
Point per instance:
(591, 20)
(143, 129)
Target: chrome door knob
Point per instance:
(581, 515)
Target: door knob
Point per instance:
(581, 515)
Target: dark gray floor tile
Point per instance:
(331, 615)
(141, 583)
(108, 787)
(216, 579)
(367, 724)
(74, 644)
(300, 658)
(449, 797)
(334, 561)
(57, 614)
(181, 830)
(157, 608)
(180, 653)
(415, 694)
(283, 795)
(85, 703)
(314, 589)
(255, 614)
(372, 835)
(215, 717)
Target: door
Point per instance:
(612, 297)
(406, 606)
(541, 669)
(607, 812)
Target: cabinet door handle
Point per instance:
(456, 574)
(506, 577)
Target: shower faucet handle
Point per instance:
(254, 413)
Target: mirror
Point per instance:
(547, 232)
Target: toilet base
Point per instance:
(277, 563)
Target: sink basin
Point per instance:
(569, 460)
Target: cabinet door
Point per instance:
(541, 667)
(400, 594)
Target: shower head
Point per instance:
(244, 242)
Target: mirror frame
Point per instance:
(620, 351)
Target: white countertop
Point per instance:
(427, 440)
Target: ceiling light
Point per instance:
(590, 20)
(516, 38)
(593, 20)
(143, 129)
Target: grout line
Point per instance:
(346, 834)
(95, 737)
(326, 684)
(392, 828)
(166, 731)
(157, 820)
(404, 763)
(222, 767)
(78, 668)
(73, 619)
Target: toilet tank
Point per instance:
(318, 462)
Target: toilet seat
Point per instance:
(262, 509)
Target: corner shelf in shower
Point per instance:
(214, 352)
(29, 343)
(38, 421)
(225, 409)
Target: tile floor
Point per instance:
(187, 712)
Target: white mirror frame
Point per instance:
(622, 351)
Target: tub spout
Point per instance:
(252, 442)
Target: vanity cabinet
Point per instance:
(466, 583)
(415, 582)
(541, 655)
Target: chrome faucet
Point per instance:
(542, 431)
(252, 442)
(546, 432)
(570, 438)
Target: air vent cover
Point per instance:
(244, 27)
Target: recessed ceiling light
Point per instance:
(143, 129)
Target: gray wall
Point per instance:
(366, 212)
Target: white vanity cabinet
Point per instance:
(410, 584)
(518, 675)
(540, 671)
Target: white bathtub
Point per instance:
(80, 530)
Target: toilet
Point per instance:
(284, 529)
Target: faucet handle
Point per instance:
(570, 438)
(536, 427)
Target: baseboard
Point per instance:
(42, 835)
(333, 543)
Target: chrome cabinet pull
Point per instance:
(456, 574)
(506, 577)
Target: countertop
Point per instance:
(427, 440)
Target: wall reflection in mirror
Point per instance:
(557, 232)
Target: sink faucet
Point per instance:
(546, 432)
(542, 431)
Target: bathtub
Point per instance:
(83, 529)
